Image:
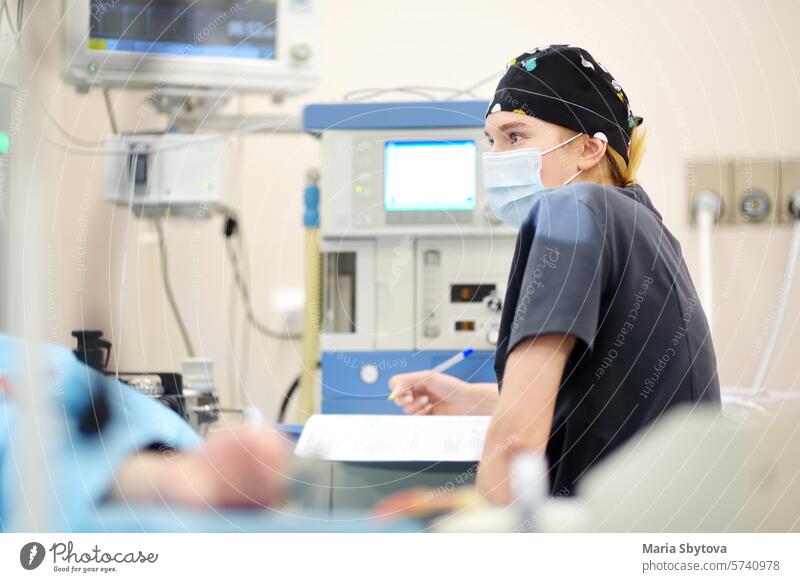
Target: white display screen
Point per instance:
(428, 176)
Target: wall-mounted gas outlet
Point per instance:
(707, 179)
(789, 194)
(750, 191)
(755, 191)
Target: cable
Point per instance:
(705, 221)
(244, 291)
(287, 398)
(162, 247)
(244, 348)
(98, 146)
(421, 91)
(110, 110)
(71, 138)
(235, 357)
(232, 229)
(89, 147)
(124, 268)
(5, 10)
(246, 333)
(780, 309)
(707, 208)
(14, 34)
(474, 86)
(233, 296)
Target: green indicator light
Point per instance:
(358, 189)
(204, 185)
(4, 142)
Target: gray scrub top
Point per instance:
(597, 262)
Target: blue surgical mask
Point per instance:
(513, 179)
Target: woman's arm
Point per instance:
(524, 414)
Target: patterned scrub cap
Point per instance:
(565, 85)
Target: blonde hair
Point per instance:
(625, 174)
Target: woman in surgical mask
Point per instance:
(601, 329)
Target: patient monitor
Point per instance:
(193, 45)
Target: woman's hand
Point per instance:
(428, 392)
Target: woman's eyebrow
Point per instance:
(512, 125)
(509, 125)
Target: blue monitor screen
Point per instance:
(204, 28)
(429, 175)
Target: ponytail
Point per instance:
(625, 174)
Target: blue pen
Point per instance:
(450, 362)
(447, 364)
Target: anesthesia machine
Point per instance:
(414, 263)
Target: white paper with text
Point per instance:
(357, 437)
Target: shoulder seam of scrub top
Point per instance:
(558, 197)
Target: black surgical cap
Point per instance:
(565, 85)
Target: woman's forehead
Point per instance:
(507, 120)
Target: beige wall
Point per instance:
(712, 78)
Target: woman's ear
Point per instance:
(594, 150)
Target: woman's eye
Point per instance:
(490, 141)
(515, 138)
